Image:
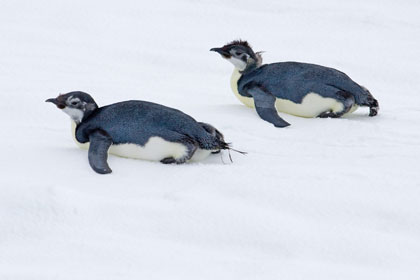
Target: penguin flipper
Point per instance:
(265, 106)
(100, 142)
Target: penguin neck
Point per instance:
(250, 67)
(73, 132)
(88, 113)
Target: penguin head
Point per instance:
(77, 104)
(240, 54)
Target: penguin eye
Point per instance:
(74, 103)
(238, 53)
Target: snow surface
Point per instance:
(322, 199)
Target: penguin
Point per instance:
(300, 89)
(137, 129)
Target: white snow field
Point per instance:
(321, 199)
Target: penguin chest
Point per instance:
(155, 149)
(311, 106)
(247, 101)
(73, 135)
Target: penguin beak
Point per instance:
(56, 102)
(52, 100)
(221, 51)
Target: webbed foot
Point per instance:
(329, 114)
(168, 160)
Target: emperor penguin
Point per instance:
(137, 129)
(300, 89)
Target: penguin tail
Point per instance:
(216, 138)
(217, 142)
(371, 102)
(217, 145)
(228, 146)
(373, 107)
(363, 97)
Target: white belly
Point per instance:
(312, 104)
(155, 149)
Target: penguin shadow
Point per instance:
(218, 159)
(360, 116)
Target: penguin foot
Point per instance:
(168, 160)
(171, 160)
(373, 108)
(324, 114)
(373, 112)
(329, 114)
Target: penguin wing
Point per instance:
(100, 142)
(265, 106)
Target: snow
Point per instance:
(321, 199)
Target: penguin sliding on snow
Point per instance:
(300, 89)
(137, 129)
